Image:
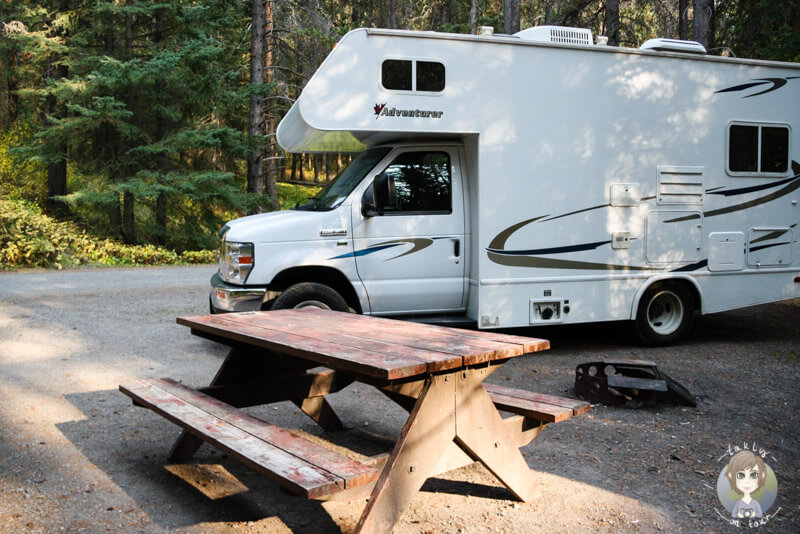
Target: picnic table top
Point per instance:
(369, 346)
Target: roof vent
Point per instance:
(557, 34)
(674, 45)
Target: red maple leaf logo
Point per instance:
(378, 108)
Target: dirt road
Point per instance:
(75, 455)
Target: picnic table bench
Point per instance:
(302, 355)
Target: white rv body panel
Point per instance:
(585, 174)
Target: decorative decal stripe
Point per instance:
(551, 263)
(753, 189)
(772, 235)
(691, 267)
(777, 83)
(771, 245)
(418, 244)
(794, 184)
(499, 242)
(553, 250)
(576, 212)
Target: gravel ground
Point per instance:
(75, 455)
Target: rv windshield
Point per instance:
(335, 191)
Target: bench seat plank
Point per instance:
(299, 465)
(547, 408)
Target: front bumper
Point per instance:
(229, 298)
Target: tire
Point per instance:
(665, 314)
(310, 295)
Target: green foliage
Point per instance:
(30, 239)
(20, 178)
(290, 195)
(760, 29)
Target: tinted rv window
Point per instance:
(774, 149)
(422, 183)
(396, 74)
(743, 149)
(758, 149)
(430, 76)
(408, 75)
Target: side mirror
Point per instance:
(379, 197)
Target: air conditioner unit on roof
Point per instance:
(674, 45)
(557, 34)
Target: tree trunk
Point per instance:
(161, 200)
(683, 20)
(56, 170)
(704, 23)
(473, 17)
(128, 197)
(612, 22)
(510, 16)
(255, 172)
(271, 149)
(128, 217)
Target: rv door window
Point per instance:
(422, 182)
(758, 149)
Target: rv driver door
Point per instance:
(409, 252)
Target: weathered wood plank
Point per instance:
(301, 466)
(474, 346)
(327, 354)
(358, 337)
(391, 348)
(537, 405)
(415, 336)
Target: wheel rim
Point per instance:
(665, 313)
(312, 304)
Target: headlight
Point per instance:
(235, 261)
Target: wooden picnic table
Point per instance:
(436, 373)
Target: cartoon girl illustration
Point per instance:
(746, 474)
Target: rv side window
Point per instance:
(422, 183)
(758, 149)
(407, 75)
(430, 76)
(396, 74)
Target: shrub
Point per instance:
(28, 238)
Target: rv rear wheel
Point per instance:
(665, 314)
(310, 295)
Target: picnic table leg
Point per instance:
(426, 435)
(483, 435)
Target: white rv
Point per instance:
(533, 179)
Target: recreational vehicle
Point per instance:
(532, 179)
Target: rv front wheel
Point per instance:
(310, 295)
(665, 314)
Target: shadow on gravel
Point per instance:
(130, 445)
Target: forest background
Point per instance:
(131, 130)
